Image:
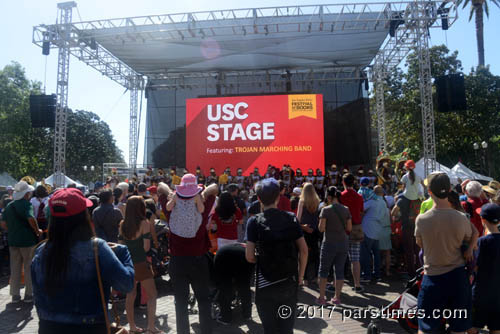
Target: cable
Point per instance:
(114, 106)
(45, 77)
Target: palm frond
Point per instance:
(496, 2)
(472, 10)
(486, 9)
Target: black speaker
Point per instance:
(46, 48)
(450, 91)
(43, 110)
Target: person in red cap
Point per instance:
(409, 206)
(64, 274)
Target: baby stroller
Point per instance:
(406, 301)
(160, 256)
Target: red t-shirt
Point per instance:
(284, 204)
(227, 230)
(354, 202)
(475, 219)
(197, 246)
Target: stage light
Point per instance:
(244, 31)
(309, 27)
(266, 29)
(93, 44)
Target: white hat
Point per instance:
(21, 188)
(297, 191)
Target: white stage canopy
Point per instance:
(463, 172)
(245, 44)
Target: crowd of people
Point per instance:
(278, 231)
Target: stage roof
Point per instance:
(338, 38)
(234, 44)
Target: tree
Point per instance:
(455, 131)
(476, 8)
(29, 151)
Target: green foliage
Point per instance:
(28, 151)
(455, 131)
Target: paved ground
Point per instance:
(22, 318)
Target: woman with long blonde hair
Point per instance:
(308, 216)
(135, 232)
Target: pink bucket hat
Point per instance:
(188, 186)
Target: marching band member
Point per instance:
(200, 178)
(299, 178)
(212, 177)
(310, 176)
(320, 182)
(239, 179)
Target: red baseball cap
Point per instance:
(68, 202)
(153, 189)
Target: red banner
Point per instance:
(255, 131)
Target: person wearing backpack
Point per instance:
(275, 240)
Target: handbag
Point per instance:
(111, 328)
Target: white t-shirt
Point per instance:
(36, 204)
(411, 189)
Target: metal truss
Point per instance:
(255, 78)
(413, 34)
(65, 11)
(380, 110)
(133, 126)
(425, 83)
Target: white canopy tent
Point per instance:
(463, 172)
(67, 181)
(419, 170)
(7, 180)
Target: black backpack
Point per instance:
(277, 253)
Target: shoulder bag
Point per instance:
(111, 328)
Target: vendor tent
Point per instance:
(67, 181)
(463, 172)
(420, 170)
(7, 180)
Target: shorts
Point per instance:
(354, 250)
(143, 271)
(449, 291)
(488, 318)
(332, 254)
(384, 240)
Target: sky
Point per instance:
(89, 90)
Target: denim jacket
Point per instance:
(78, 301)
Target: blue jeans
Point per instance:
(369, 248)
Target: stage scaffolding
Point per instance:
(407, 21)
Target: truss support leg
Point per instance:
(380, 110)
(65, 11)
(425, 84)
(133, 130)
